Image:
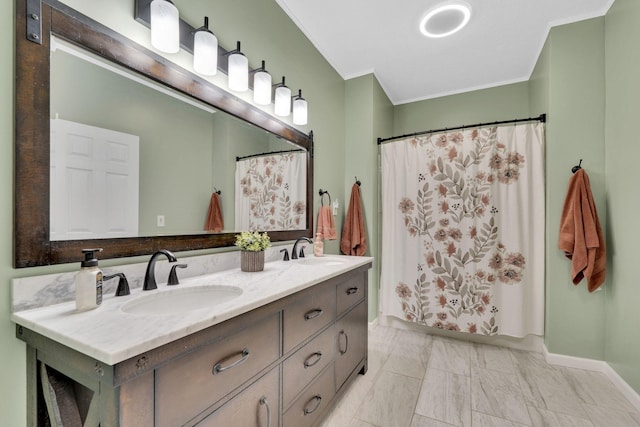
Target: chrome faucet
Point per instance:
(294, 254)
(150, 276)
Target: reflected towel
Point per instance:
(214, 222)
(326, 225)
(581, 235)
(354, 240)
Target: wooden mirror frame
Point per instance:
(32, 246)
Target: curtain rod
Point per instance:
(271, 152)
(541, 118)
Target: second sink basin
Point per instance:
(180, 300)
(321, 261)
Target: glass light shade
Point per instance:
(165, 26)
(262, 88)
(205, 53)
(238, 72)
(282, 101)
(299, 111)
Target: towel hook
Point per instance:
(322, 193)
(218, 192)
(577, 167)
(358, 182)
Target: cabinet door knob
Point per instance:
(312, 359)
(346, 342)
(263, 401)
(219, 367)
(317, 399)
(313, 314)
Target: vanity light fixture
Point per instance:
(205, 50)
(238, 70)
(445, 19)
(261, 86)
(165, 26)
(299, 109)
(282, 100)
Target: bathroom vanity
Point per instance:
(280, 353)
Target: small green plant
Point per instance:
(253, 241)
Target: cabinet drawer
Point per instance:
(350, 292)
(308, 313)
(257, 406)
(306, 363)
(192, 383)
(351, 333)
(312, 402)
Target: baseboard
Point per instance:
(597, 366)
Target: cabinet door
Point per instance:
(257, 406)
(351, 333)
(351, 291)
(306, 363)
(189, 385)
(308, 313)
(312, 402)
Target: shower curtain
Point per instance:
(271, 192)
(463, 230)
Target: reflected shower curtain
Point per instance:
(463, 230)
(271, 192)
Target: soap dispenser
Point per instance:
(89, 282)
(318, 245)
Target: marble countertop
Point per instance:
(111, 335)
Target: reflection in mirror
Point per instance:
(34, 111)
(131, 158)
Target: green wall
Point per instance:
(487, 105)
(622, 346)
(369, 114)
(570, 74)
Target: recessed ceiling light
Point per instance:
(445, 19)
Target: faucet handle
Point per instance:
(286, 254)
(301, 252)
(123, 284)
(173, 275)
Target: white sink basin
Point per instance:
(180, 300)
(320, 261)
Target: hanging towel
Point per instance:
(214, 222)
(326, 226)
(354, 240)
(581, 235)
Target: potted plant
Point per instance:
(252, 246)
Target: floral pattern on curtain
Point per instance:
(271, 192)
(463, 230)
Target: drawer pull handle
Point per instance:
(346, 342)
(313, 314)
(219, 368)
(318, 401)
(352, 291)
(316, 358)
(263, 401)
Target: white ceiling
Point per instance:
(500, 44)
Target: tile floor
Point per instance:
(417, 380)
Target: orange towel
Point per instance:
(326, 225)
(354, 239)
(214, 222)
(580, 233)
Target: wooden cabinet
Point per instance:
(256, 406)
(283, 364)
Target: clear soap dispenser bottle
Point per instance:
(318, 245)
(89, 282)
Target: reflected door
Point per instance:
(94, 175)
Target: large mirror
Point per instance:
(183, 137)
